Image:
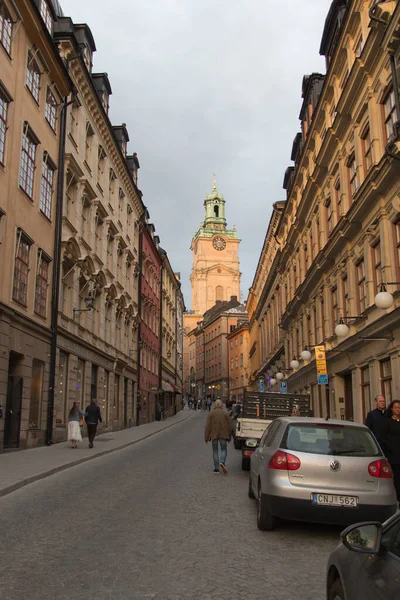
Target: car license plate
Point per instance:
(334, 500)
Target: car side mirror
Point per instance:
(364, 538)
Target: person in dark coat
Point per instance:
(375, 418)
(93, 416)
(390, 442)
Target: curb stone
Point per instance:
(23, 482)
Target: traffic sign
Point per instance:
(283, 387)
(320, 361)
(323, 379)
(261, 385)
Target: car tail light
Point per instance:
(248, 452)
(380, 468)
(284, 461)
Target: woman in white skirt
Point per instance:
(74, 429)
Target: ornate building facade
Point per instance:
(333, 245)
(33, 86)
(98, 306)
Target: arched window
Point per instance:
(219, 292)
(216, 211)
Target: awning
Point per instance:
(167, 387)
(176, 389)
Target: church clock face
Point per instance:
(219, 243)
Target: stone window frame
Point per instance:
(42, 283)
(30, 142)
(21, 268)
(47, 185)
(362, 295)
(390, 116)
(50, 111)
(5, 101)
(33, 75)
(6, 28)
(46, 15)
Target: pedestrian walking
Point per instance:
(74, 428)
(218, 431)
(389, 432)
(377, 417)
(209, 403)
(93, 416)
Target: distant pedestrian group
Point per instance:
(76, 417)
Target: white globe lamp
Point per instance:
(341, 329)
(272, 381)
(294, 364)
(306, 355)
(383, 299)
(279, 376)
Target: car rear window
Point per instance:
(335, 440)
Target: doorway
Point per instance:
(348, 397)
(12, 424)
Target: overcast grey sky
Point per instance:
(207, 85)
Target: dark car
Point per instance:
(366, 564)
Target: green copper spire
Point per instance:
(214, 204)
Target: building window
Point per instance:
(36, 394)
(361, 287)
(101, 165)
(241, 360)
(338, 197)
(231, 364)
(236, 361)
(51, 109)
(28, 153)
(33, 76)
(396, 233)
(353, 175)
(386, 379)
(3, 124)
(365, 391)
(6, 24)
(46, 15)
(88, 143)
(359, 46)
(377, 262)
(241, 339)
(42, 283)
(367, 149)
(21, 269)
(93, 383)
(335, 308)
(390, 112)
(46, 187)
(346, 297)
(330, 216)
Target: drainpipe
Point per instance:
(56, 271)
(139, 330)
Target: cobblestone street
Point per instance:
(153, 521)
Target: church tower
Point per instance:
(216, 270)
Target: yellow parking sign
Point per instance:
(322, 369)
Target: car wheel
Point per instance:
(336, 592)
(265, 521)
(251, 493)
(245, 463)
(237, 443)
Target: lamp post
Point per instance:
(341, 329)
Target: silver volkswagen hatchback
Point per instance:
(321, 471)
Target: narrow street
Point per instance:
(154, 521)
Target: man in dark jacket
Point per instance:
(376, 417)
(93, 416)
(218, 430)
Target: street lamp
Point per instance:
(279, 376)
(306, 355)
(341, 329)
(294, 364)
(384, 299)
(272, 382)
(89, 305)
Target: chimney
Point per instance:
(132, 162)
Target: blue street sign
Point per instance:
(261, 385)
(283, 387)
(323, 379)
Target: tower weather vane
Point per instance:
(214, 181)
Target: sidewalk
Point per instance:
(23, 467)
